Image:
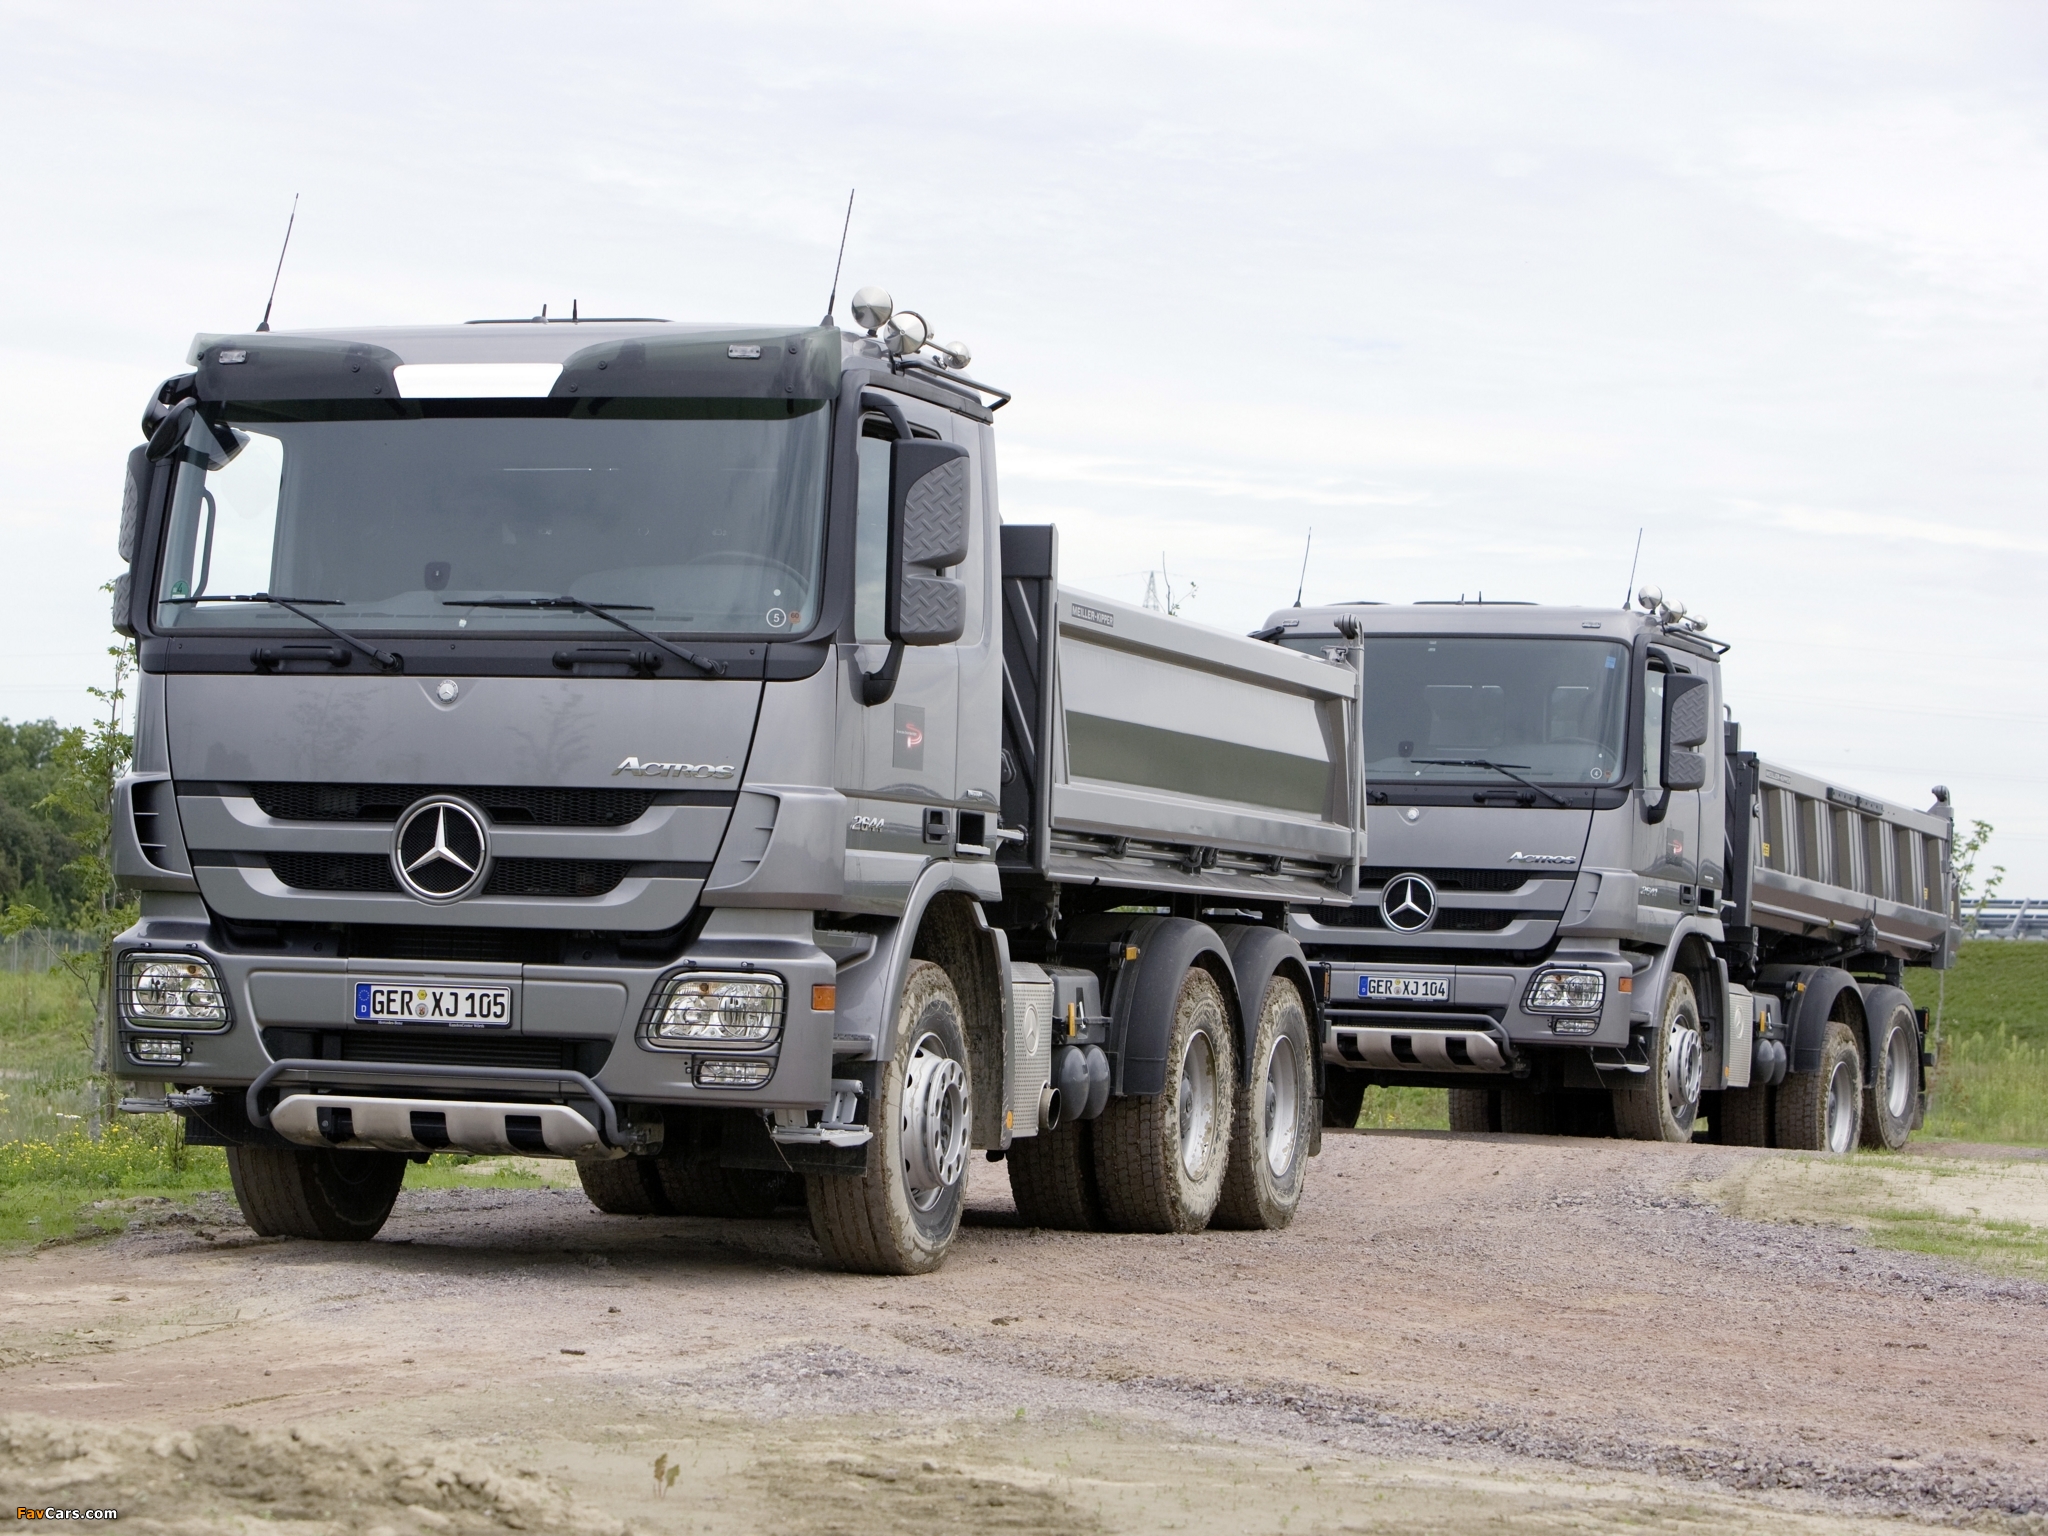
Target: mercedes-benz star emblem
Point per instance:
(1408, 904)
(440, 852)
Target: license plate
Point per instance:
(1405, 989)
(392, 1002)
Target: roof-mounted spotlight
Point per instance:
(872, 308)
(1649, 597)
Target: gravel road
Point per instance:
(1458, 1333)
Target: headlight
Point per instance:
(1566, 992)
(172, 992)
(697, 1009)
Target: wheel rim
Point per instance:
(934, 1122)
(1683, 1066)
(1282, 1103)
(1197, 1103)
(1843, 1090)
(1898, 1073)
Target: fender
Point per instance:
(1809, 993)
(1145, 989)
(1648, 994)
(869, 987)
(1257, 955)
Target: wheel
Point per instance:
(1159, 1160)
(1894, 1089)
(1475, 1109)
(1741, 1117)
(1526, 1111)
(1267, 1164)
(1052, 1179)
(1665, 1107)
(1343, 1098)
(901, 1215)
(697, 1186)
(335, 1196)
(1823, 1111)
(623, 1186)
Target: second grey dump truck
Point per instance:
(1588, 910)
(644, 744)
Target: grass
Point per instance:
(1992, 1084)
(1991, 1215)
(1405, 1109)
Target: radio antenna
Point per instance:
(1628, 598)
(832, 303)
(1306, 544)
(264, 323)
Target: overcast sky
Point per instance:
(1474, 290)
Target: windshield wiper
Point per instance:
(606, 611)
(1509, 770)
(388, 661)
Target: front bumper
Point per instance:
(1480, 1027)
(298, 1005)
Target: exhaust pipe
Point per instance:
(1049, 1102)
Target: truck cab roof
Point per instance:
(1286, 624)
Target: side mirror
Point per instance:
(927, 532)
(1687, 722)
(134, 497)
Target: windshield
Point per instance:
(1555, 711)
(693, 516)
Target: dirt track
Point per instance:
(1457, 1333)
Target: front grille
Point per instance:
(396, 941)
(1463, 879)
(533, 807)
(1448, 919)
(371, 872)
(439, 1047)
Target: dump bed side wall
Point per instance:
(1824, 860)
(1163, 755)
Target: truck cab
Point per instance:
(1561, 918)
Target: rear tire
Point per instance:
(1052, 1179)
(1475, 1109)
(330, 1196)
(1894, 1090)
(1274, 1123)
(1343, 1098)
(1666, 1106)
(699, 1187)
(623, 1186)
(1741, 1117)
(901, 1215)
(1525, 1111)
(1822, 1111)
(1159, 1159)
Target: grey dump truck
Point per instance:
(644, 743)
(1588, 910)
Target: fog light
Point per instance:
(163, 1050)
(699, 1008)
(171, 992)
(1574, 1026)
(734, 1074)
(1566, 992)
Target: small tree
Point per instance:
(90, 762)
(1965, 864)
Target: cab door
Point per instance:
(1667, 834)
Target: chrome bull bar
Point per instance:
(1413, 1049)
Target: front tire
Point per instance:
(623, 1186)
(315, 1192)
(1159, 1159)
(1822, 1111)
(1343, 1098)
(1270, 1132)
(1893, 1094)
(1666, 1107)
(902, 1214)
